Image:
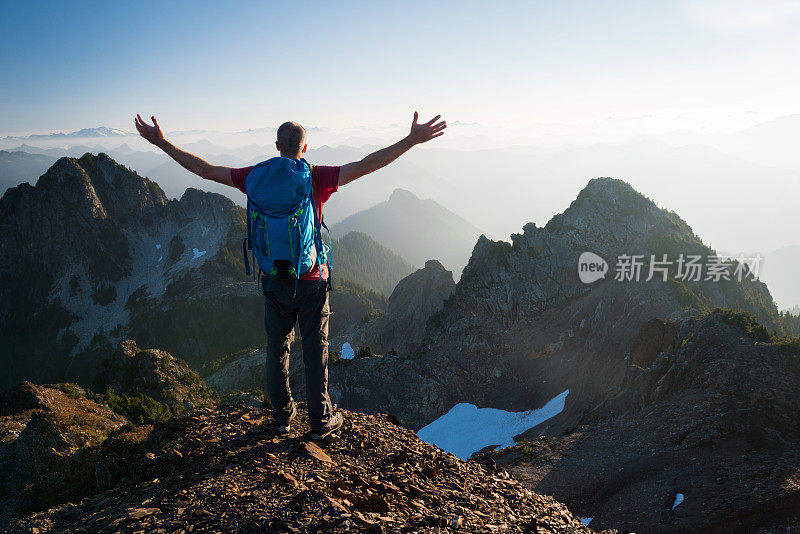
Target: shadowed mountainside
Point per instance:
(360, 259)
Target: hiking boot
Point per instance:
(282, 424)
(335, 422)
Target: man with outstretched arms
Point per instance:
(302, 295)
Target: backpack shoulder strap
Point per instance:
(310, 167)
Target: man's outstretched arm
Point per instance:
(420, 133)
(188, 161)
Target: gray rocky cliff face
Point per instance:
(521, 326)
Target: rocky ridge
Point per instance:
(223, 469)
(154, 373)
(521, 327)
(53, 438)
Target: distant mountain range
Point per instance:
(100, 131)
(418, 230)
(736, 189)
(174, 179)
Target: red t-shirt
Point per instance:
(325, 180)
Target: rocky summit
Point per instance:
(224, 470)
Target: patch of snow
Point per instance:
(159, 259)
(158, 246)
(203, 230)
(678, 500)
(197, 253)
(347, 352)
(466, 429)
(586, 521)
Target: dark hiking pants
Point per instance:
(310, 308)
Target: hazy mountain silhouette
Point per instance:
(416, 229)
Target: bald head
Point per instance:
(291, 141)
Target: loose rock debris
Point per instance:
(224, 469)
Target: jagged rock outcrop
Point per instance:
(132, 371)
(45, 432)
(710, 414)
(225, 470)
(416, 298)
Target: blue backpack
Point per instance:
(283, 234)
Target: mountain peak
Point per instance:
(402, 195)
(434, 265)
(609, 213)
(118, 190)
(609, 192)
(417, 229)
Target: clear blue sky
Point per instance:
(236, 65)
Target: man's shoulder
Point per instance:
(325, 178)
(324, 168)
(239, 176)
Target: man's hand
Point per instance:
(422, 133)
(188, 161)
(151, 133)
